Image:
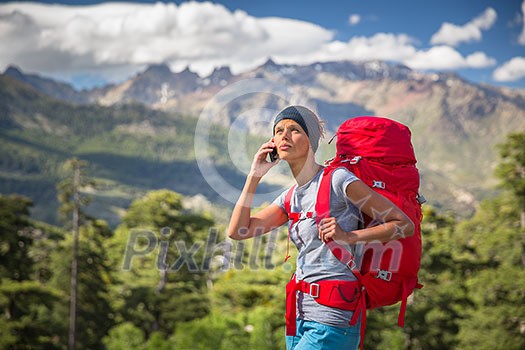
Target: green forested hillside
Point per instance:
(130, 148)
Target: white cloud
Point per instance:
(479, 60)
(354, 19)
(51, 38)
(447, 58)
(381, 46)
(486, 20)
(452, 35)
(115, 40)
(511, 70)
(521, 38)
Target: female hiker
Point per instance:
(296, 134)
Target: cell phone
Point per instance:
(273, 155)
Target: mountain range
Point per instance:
(144, 125)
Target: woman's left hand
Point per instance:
(329, 229)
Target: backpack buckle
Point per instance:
(328, 161)
(314, 290)
(355, 160)
(351, 265)
(306, 215)
(384, 275)
(379, 184)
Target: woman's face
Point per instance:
(291, 140)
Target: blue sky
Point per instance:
(94, 42)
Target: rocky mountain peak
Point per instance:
(187, 74)
(270, 63)
(269, 66)
(223, 72)
(219, 76)
(13, 71)
(48, 86)
(155, 71)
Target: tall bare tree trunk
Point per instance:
(522, 221)
(72, 338)
(522, 226)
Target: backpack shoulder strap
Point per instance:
(322, 210)
(291, 216)
(322, 202)
(288, 200)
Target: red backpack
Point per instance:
(379, 152)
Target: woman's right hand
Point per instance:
(260, 164)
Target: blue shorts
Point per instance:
(312, 335)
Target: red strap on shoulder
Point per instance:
(322, 210)
(288, 200)
(322, 203)
(288, 209)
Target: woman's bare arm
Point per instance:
(242, 224)
(392, 223)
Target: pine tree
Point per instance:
(511, 171)
(24, 301)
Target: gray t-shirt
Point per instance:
(315, 261)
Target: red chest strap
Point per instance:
(295, 217)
